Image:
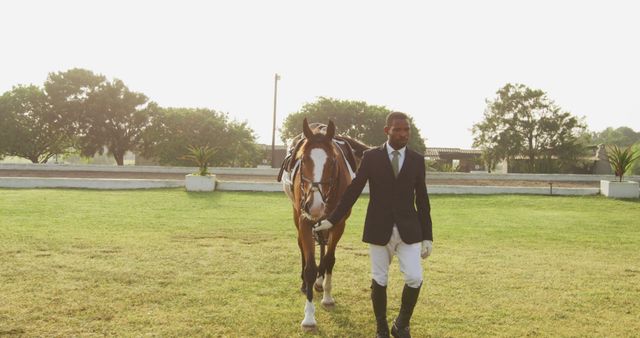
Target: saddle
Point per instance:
(290, 163)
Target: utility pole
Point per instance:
(273, 131)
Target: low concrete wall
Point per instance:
(102, 183)
(138, 169)
(248, 186)
(274, 172)
(489, 190)
(87, 183)
(257, 186)
(433, 189)
(524, 177)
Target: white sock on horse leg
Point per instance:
(309, 315)
(327, 299)
(319, 281)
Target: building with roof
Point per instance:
(465, 160)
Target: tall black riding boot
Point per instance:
(379, 301)
(400, 327)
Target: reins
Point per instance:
(317, 186)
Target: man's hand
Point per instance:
(427, 247)
(324, 225)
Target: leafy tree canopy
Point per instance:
(173, 130)
(524, 122)
(355, 119)
(621, 137)
(101, 114)
(30, 127)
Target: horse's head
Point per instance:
(318, 168)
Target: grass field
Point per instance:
(171, 263)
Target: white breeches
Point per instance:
(408, 255)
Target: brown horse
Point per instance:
(320, 168)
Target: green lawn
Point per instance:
(171, 263)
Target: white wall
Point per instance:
(97, 183)
(86, 183)
(274, 172)
(101, 183)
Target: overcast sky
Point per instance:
(437, 61)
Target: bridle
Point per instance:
(316, 186)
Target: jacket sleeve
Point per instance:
(422, 203)
(353, 191)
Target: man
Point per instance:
(398, 220)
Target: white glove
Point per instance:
(427, 247)
(324, 225)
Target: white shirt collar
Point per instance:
(390, 149)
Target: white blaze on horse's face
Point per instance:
(319, 158)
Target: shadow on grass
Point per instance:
(202, 194)
(12, 332)
(207, 198)
(342, 317)
(611, 199)
(629, 200)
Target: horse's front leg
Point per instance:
(328, 262)
(322, 268)
(296, 220)
(303, 287)
(310, 273)
(327, 300)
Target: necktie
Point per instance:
(395, 162)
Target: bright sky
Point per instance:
(437, 61)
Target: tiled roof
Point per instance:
(457, 150)
(438, 151)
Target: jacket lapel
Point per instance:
(386, 160)
(405, 162)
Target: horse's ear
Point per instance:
(305, 129)
(331, 130)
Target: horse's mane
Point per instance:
(357, 146)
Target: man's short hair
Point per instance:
(396, 115)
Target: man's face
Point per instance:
(398, 133)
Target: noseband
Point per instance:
(316, 186)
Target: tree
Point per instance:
(29, 125)
(522, 121)
(68, 93)
(4, 121)
(172, 130)
(635, 170)
(355, 119)
(115, 119)
(243, 151)
(496, 141)
(621, 137)
(101, 114)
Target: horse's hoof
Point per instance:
(318, 288)
(328, 306)
(309, 328)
